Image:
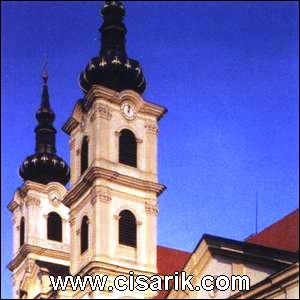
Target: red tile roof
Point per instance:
(168, 262)
(284, 234)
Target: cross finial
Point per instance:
(45, 72)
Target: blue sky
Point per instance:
(228, 73)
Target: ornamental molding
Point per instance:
(151, 209)
(29, 265)
(132, 129)
(70, 125)
(28, 186)
(100, 111)
(32, 201)
(100, 92)
(74, 121)
(94, 173)
(151, 128)
(26, 249)
(100, 194)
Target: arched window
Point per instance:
(127, 148)
(84, 234)
(127, 228)
(22, 231)
(54, 227)
(84, 154)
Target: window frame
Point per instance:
(86, 229)
(127, 231)
(50, 228)
(22, 232)
(128, 148)
(84, 154)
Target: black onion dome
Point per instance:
(45, 166)
(113, 68)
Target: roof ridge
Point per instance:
(175, 249)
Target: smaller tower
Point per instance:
(41, 237)
(44, 165)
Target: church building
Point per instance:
(105, 222)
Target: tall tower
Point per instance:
(114, 186)
(41, 244)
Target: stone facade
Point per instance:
(105, 189)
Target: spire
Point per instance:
(113, 68)
(45, 95)
(45, 166)
(45, 132)
(113, 30)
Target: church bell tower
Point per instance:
(105, 222)
(114, 186)
(41, 233)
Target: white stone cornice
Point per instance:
(100, 173)
(26, 249)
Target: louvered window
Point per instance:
(127, 148)
(84, 154)
(127, 228)
(54, 227)
(22, 231)
(84, 234)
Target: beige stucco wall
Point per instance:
(206, 264)
(34, 202)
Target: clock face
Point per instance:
(128, 110)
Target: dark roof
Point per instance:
(45, 165)
(113, 68)
(284, 234)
